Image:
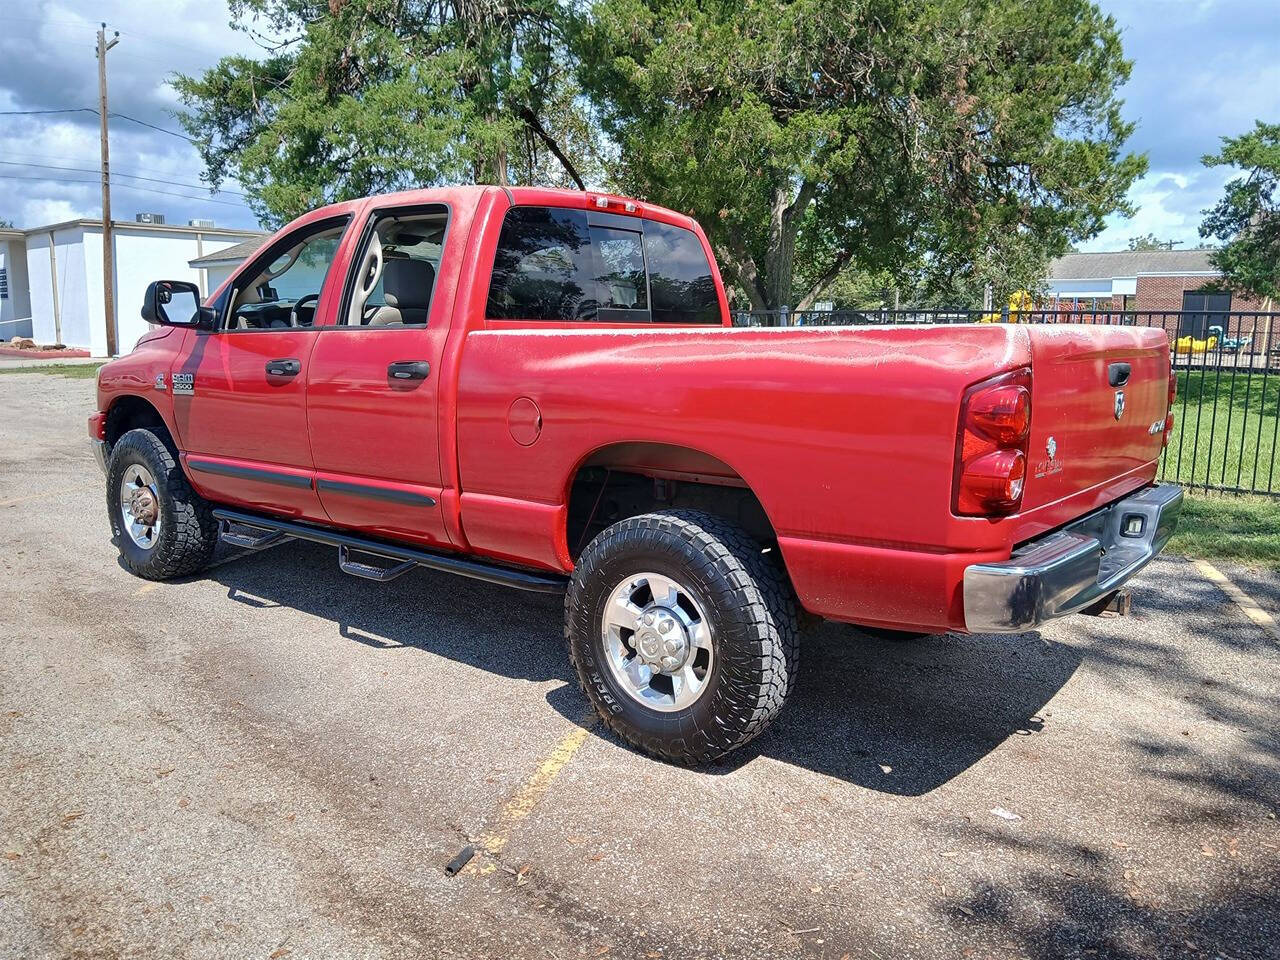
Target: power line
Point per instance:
(131, 176)
(122, 116)
(124, 186)
(172, 133)
(32, 113)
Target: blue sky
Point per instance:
(1202, 69)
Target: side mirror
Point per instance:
(176, 303)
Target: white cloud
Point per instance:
(1170, 205)
(1202, 70)
(47, 62)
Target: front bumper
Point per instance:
(100, 450)
(98, 437)
(1070, 569)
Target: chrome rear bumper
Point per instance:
(1070, 569)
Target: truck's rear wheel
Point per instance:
(683, 632)
(161, 526)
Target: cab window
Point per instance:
(281, 289)
(395, 281)
(680, 280)
(576, 265)
(543, 268)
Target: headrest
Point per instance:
(407, 284)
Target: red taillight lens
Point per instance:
(1002, 413)
(1168, 417)
(991, 449)
(992, 483)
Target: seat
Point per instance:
(406, 289)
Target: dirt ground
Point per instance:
(276, 760)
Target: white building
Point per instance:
(219, 265)
(15, 300)
(63, 275)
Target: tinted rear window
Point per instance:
(557, 264)
(543, 268)
(680, 282)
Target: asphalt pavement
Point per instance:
(276, 760)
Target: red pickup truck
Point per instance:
(543, 389)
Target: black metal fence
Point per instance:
(1226, 434)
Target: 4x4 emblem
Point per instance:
(1119, 404)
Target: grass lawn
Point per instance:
(77, 371)
(1218, 527)
(1225, 431)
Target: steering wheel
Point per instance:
(293, 312)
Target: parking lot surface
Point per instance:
(276, 760)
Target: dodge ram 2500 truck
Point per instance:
(542, 389)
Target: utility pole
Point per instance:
(108, 241)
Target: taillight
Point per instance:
(991, 448)
(1168, 417)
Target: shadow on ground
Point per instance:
(1091, 905)
(900, 718)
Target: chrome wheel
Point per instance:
(657, 641)
(140, 505)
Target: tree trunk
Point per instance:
(779, 261)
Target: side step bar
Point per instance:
(405, 557)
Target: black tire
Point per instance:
(754, 632)
(187, 533)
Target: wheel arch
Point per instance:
(624, 479)
(129, 412)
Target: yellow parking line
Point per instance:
(1240, 598)
(530, 794)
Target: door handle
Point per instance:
(1118, 374)
(409, 370)
(284, 368)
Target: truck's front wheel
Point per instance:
(683, 632)
(161, 526)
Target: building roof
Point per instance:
(233, 254)
(146, 227)
(1131, 263)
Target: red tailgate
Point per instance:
(1085, 429)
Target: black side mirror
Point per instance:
(176, 303)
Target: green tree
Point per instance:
(966, 142)
(1149, 241)
(6, 224)
(1247, 218)
(377, 95)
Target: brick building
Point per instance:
(1138, 280)
(1176, 289)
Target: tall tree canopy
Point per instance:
(945, 144)
(1247, 218)
(353, 97)
(967, 141)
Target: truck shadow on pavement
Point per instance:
(896, 717)
(905, 717)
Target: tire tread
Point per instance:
(765, 616)
(190, 531)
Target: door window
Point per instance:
(283, 286)
(395, 279)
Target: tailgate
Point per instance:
(1084, 430)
